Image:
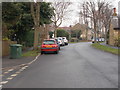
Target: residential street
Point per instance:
(77, 65)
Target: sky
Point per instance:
(74, 17)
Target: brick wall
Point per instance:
(113, 35)
(6, 47)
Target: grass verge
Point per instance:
(105, 48)
(31, 53)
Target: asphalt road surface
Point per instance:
(76, 66)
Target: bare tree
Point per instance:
(106, 19)
(60, 10)
(98, 14)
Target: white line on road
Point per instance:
(0, 86)
(17, 72)
(10, 70)
(9, 78)
(1, 75)
(21, 70)
(34, 59)
(13, 75)
(6, 72)
(3, 82)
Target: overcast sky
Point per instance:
(74, 17)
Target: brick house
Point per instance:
(83, 28)
(114, 33)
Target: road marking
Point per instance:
(23, 68)
(30, 63)
(0, 86)
(13, 75)
(10, 70)
(17, 72)
(6, 72)
(1, 75)
(3, 82)
(20, 70)
(34, 59)
(9, 78)
(23, 64)
(26, 66)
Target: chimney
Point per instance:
(114, 13)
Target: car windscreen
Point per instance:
(48, 42)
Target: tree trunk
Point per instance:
(55, 31)
(46, 31)
(106, 34)
(35, 9)
(86, 34)
(36, 36)
(95, 33)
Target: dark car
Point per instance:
(57, 42)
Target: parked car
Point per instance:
(49, 45)
(57, 42)
(61, 41)
(98, 40)
(65, 40)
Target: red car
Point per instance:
(49, 45)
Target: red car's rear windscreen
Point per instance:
(46, 42)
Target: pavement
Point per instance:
(8, 63)
(76, 66)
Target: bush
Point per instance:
(74, 40)
(5, 39)
(117, 42)
(62, 33)
(29, 40)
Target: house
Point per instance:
(86, 31)
(114, 33)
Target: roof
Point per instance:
(64, 28)
(79, 26)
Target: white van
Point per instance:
(61, 41)
(65, 40)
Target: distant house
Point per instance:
(64, 28)
(84, 29)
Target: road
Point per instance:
(76, 66)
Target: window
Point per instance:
(48, 42)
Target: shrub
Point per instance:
(117, 42)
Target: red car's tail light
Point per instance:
(55, 46)
(43, 46)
